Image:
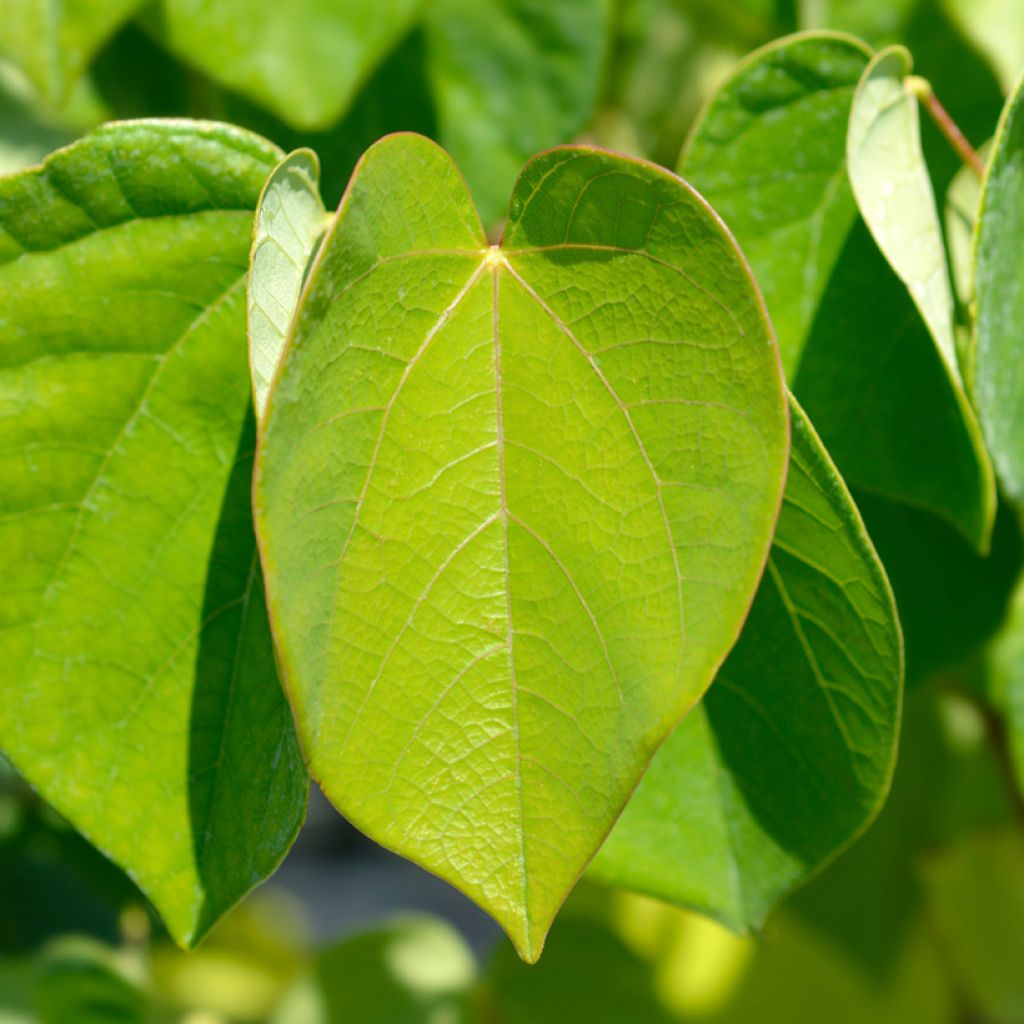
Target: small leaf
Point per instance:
(894, 193)
(999, 285)
(512, 77)
(513, 503)
(306, 67)
(790, 754)
(769, 153)
(140, 696)
(290, 222)
(53, 43)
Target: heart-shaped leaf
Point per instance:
(770, 154)
(999, 294)
(789, 755)
(54, 42)
(305, 66)
(513, 503)
(140, 696)
(290, 222)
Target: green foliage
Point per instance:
(146, 708)
(739, 805)
(588, 565)
(625, 471)
(999, 294)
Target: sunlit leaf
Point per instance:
(769, 153)
(894, 193)
(790, 753)
(290, 221)
(140, 696)
(999, 291)
(513, 503)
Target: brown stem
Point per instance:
(922, 88)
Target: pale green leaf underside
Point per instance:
(290, 222)
(512, 505)
(139, 690)
(53, 42)
(894, 193)
(999, 292)
(302, 60)
(790, 754)
(769, 153)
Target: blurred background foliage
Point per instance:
(921, 920)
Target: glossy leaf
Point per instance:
(769, 153)
(513, 503)
(290, 222)
(140, 696)
(512, 77)
(54, 42)
(894, 193)
(790, 753)
(999, 284)
(303, 64)
(961, 214)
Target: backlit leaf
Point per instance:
(789, 755)
(54, 42)
(290, 221)
(139, 690)
(894, 193)
(513, 503)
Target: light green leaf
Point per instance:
(1005, 683)
(84, 982)
(894, 193)
(304, 63)
(999, 289)
(878, 21)
(769, 153)
(512, 77)
(790, 753)
(963, 198)
(513, 503)
(413, 970)
(290, 222)
(54, 42)
(140, 696)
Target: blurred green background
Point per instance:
(922, 920)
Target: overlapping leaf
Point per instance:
(789, 755)
(290, 222)
(139, 690)
(512, 505)
(770, 154)
(999, 291)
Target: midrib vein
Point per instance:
(500, 431)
